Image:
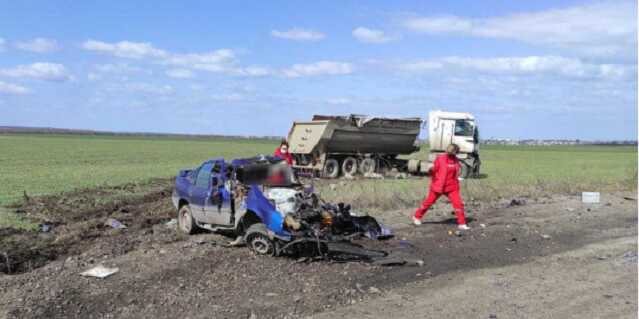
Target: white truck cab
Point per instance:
(445, 128)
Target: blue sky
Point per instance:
(526, 69)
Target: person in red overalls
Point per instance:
(444, 181)
(282, 152)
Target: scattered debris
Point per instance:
(45, 228)
(114, 223)
(171, 223)
(401, 176)
(630, 256)
(332, 186)
(629, 198)
(374, 175)
(544, 236)
(590, 197)
(482, 225)
(403, 243)
(570, 209)
(398, 261)
(100, 271)
(517, 202)
(202, 240)
(238, 242)
(374, 290)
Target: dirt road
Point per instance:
(549, 257)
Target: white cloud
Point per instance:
(215, 61)
(120, 68)
(318, 68)
(149, 88)
(2, 43)
(232, 97)
(298, 34)
(125, 49)
(253, 71)
(338, 101)
(370, 35)
(599, 29)
(38, 45)
(40, 70)
(12, 89)
(439, 24)
(180, 73)
(530, 65)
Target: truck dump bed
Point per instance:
(355, 134)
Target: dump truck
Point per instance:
(331, 146)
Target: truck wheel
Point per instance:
(466, 170)
(368, 166)
(258, 240)
(331, 168)
(349, 166)
(186, 223)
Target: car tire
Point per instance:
(331, 168)
(368, 166)
(186, 223)
(259, 242)
(349, 166)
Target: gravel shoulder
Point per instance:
(595, 281)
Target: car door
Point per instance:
(218, 206)
(199, 191)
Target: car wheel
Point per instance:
(331, 168)
(186, 223)
(258, 240)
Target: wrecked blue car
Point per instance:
(261, 201)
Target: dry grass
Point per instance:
(508, 172)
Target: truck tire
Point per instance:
(368, 166)
(186, 223)
(466, 170)
(331, 168)
(258, 241)
(349, 166)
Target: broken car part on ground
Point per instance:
(261, 200)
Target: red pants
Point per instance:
(454, 198)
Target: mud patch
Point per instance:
(77, 223)
(22, 251)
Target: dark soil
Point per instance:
(166, 275)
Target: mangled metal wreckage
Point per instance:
(261, 200)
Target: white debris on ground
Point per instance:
(100, 271)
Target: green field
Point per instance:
(47, 164)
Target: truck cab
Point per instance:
(445, 128)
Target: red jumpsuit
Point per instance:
(285, 156)
(444, 181)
